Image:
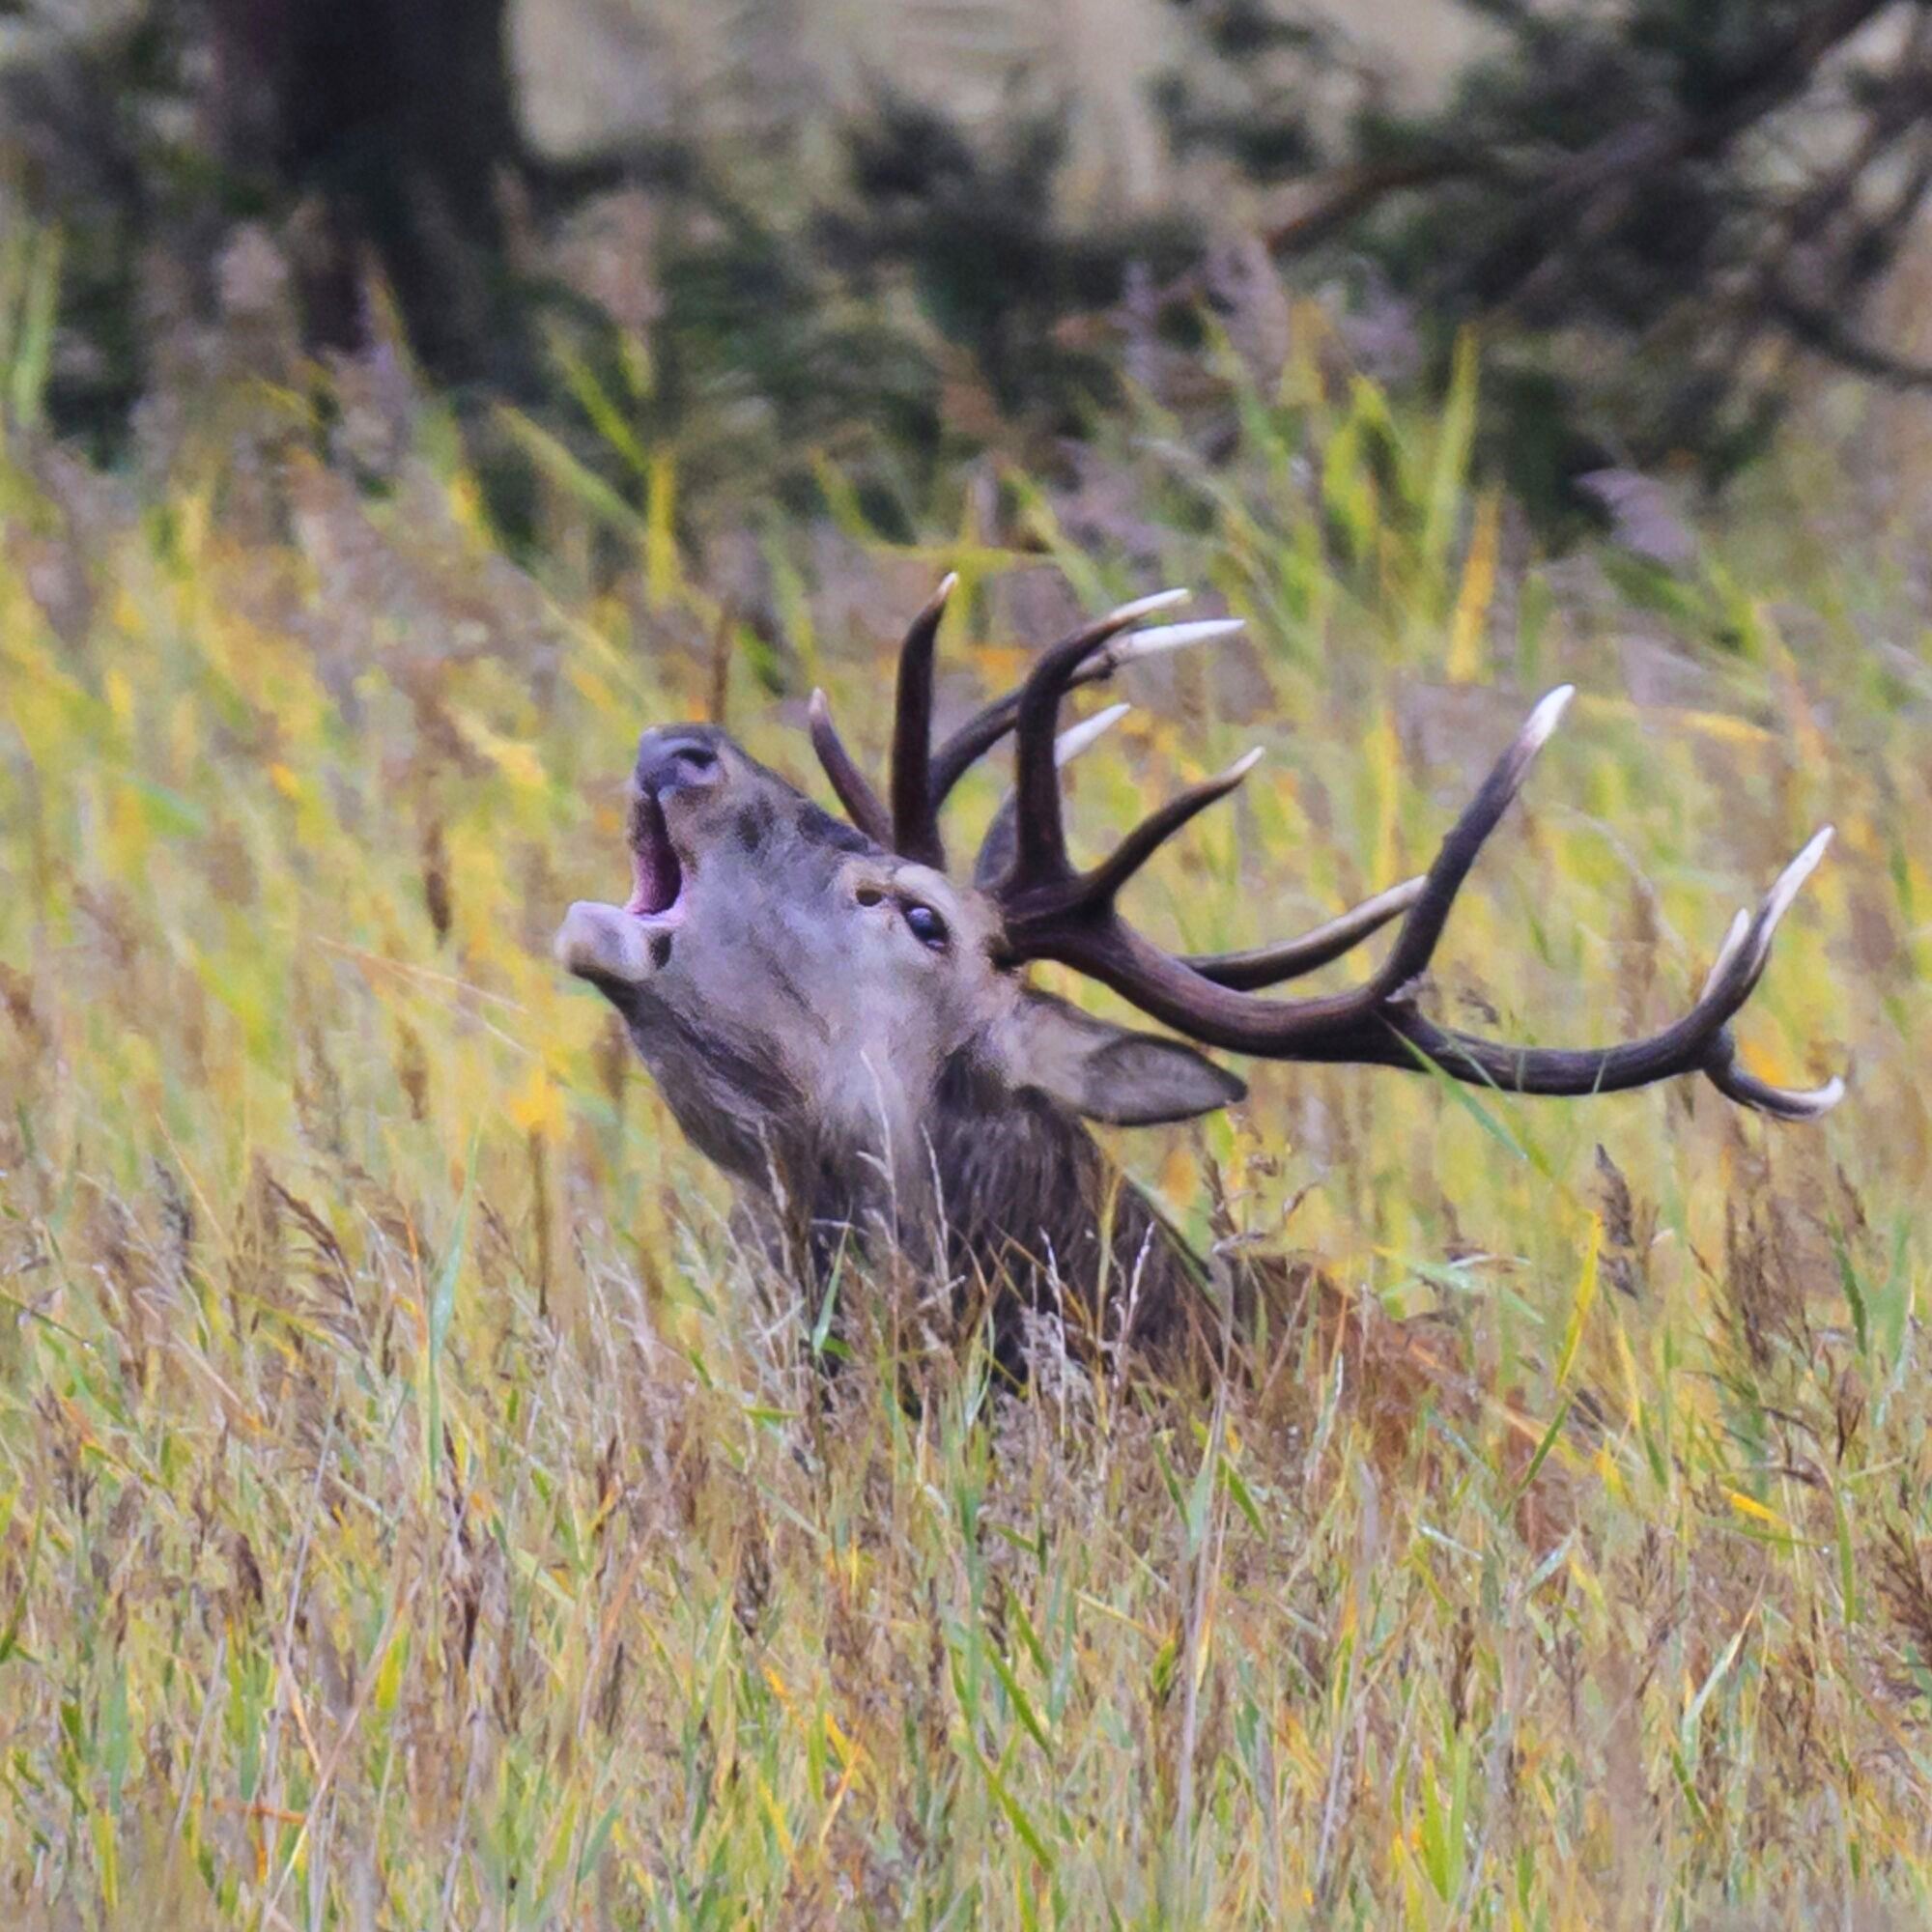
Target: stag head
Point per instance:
(845, 1026)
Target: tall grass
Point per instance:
(411, 1513)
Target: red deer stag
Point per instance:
(846, 1028)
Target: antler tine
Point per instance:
(1290, 959)
(1099, 888)
(1422, 927)
(1788, 1103)
(1039, 924)
(921, 779)
(996, 848)
(1784, 1103)
(1096, 889)
(851, 785)
(985, 729)
(1041, 860)
(915, 830)
(1040, 855)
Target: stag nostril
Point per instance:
(667, 761)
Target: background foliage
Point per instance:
(409, 1517)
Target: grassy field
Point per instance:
(410, 1515)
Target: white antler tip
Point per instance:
(1241, 766)
(1778, 901)
(947, 584)
(1547, 716)
(1179, 638)
(1822, 1100)
(1804, 1103)
(1076, 738)
(818, 706)
(1727, 951)
(1146, 607)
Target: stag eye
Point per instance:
(869, 895)
(925, 925)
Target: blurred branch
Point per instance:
(1617, 164)
(1819, 329)
(1596, 190)
(1332, 203)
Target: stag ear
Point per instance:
(1108, 1073)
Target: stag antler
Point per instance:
(1051, 911)
(922, 778)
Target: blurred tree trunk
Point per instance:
(391, 121)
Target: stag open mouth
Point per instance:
(657, 878)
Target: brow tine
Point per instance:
(854, 789)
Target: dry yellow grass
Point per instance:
(407, 1519)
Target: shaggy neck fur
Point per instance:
(1006, 1195)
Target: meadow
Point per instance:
(414, 1514)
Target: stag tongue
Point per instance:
(656, 876)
